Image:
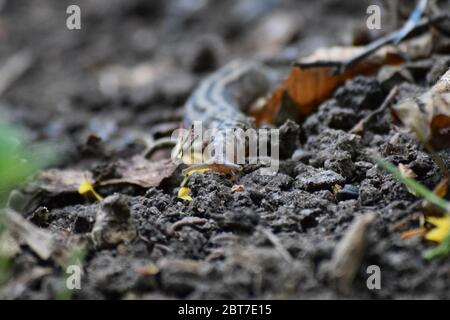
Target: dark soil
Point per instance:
(221, 250)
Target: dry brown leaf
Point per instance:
(141, 172)
(41, 241)
(305, 88)
(57, 181)
(429, 114)
(441, 191)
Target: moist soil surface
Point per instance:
(273, 237)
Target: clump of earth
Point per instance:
(221, 244)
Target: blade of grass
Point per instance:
(440, 251)
(414, 185)
(444, 248)
(17, 162)
(436, 157)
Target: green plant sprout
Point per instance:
(17, 162)
(444, 247)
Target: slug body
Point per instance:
(219, 103)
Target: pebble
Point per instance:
(348, 192)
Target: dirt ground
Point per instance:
(74, 96)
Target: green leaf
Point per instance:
(17, 160)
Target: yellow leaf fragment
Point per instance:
(184, 194)
(86, 189)
(442, 229)
(336, 188)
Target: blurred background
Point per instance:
(121, 80)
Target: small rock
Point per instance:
(312, 179)
(348, 192)
(113, 222)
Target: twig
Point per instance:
(359, 127)
(413, 233)
(40, 241)
(318, 64)
(13, 69)
(188, 221)
(349, 252)
(277, 244)
(392, 38)
(413, 20)
(404, 222)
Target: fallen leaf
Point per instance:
(429, 114)
(57, 181)
(51, 188)
(141, 172)
(184, 194)
(41, 241)
(313, 80)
